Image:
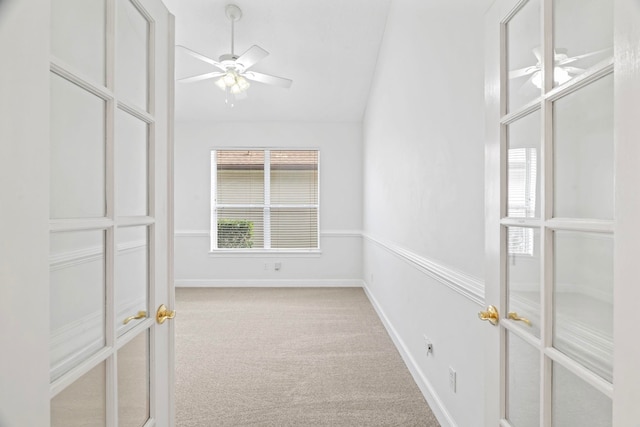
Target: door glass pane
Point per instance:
(523, 275)
(77, 152)
(131, 276)
(523, 56)
(78, 35)
(583, 35)
(133, 382)
(523, 387)
(583, 299)
(523, 167)
(131, 146)
(132, 50)
(83, 403)
(576, 404)
(583, 152)
(77, 300)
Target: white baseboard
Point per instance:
(268, 283)
(439, 410)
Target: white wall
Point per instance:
(340, 262)
(416, 188)
(424, 198)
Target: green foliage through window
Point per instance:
(235, 233)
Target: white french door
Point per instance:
(109, 155)
(102, 188)
(559, 166)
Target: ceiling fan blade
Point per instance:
(251, 56)
(538, 53)
(560, 51)
(268, 79)
(202, 57)
(201, 77)
(522, 72)
(579, 57)
(574, 70)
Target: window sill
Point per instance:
(258, 253)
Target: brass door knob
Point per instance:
(164, 313)
(141, 315)
(514, 316)
(491, 315)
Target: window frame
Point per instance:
(528, 195)
(267, 206)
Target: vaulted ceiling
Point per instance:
(327, 47)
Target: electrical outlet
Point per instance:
(277, 266)
(452, 379)
(428, 345)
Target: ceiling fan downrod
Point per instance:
(234, 13)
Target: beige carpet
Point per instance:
(289, 357)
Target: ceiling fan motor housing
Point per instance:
(228, 58)
(228, 61)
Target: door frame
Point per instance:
(626, 375)
(171, 298)
(495, 171)
(24, 216)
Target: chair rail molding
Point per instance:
(464, 284)
(325, 233)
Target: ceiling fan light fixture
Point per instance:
(536, 79)
(230, 78)
(221, 84)
(560, 76)
(233, 82)
(239, 87)
(242, 83)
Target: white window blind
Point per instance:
(264, 199)
(522, 182)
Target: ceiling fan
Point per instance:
(233, 71)
(562, 71)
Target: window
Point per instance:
(264, 200)
(522, 197)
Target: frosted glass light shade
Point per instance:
(232, 81)
(560, 76)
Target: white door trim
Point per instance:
(24, 216)
(626, 394)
